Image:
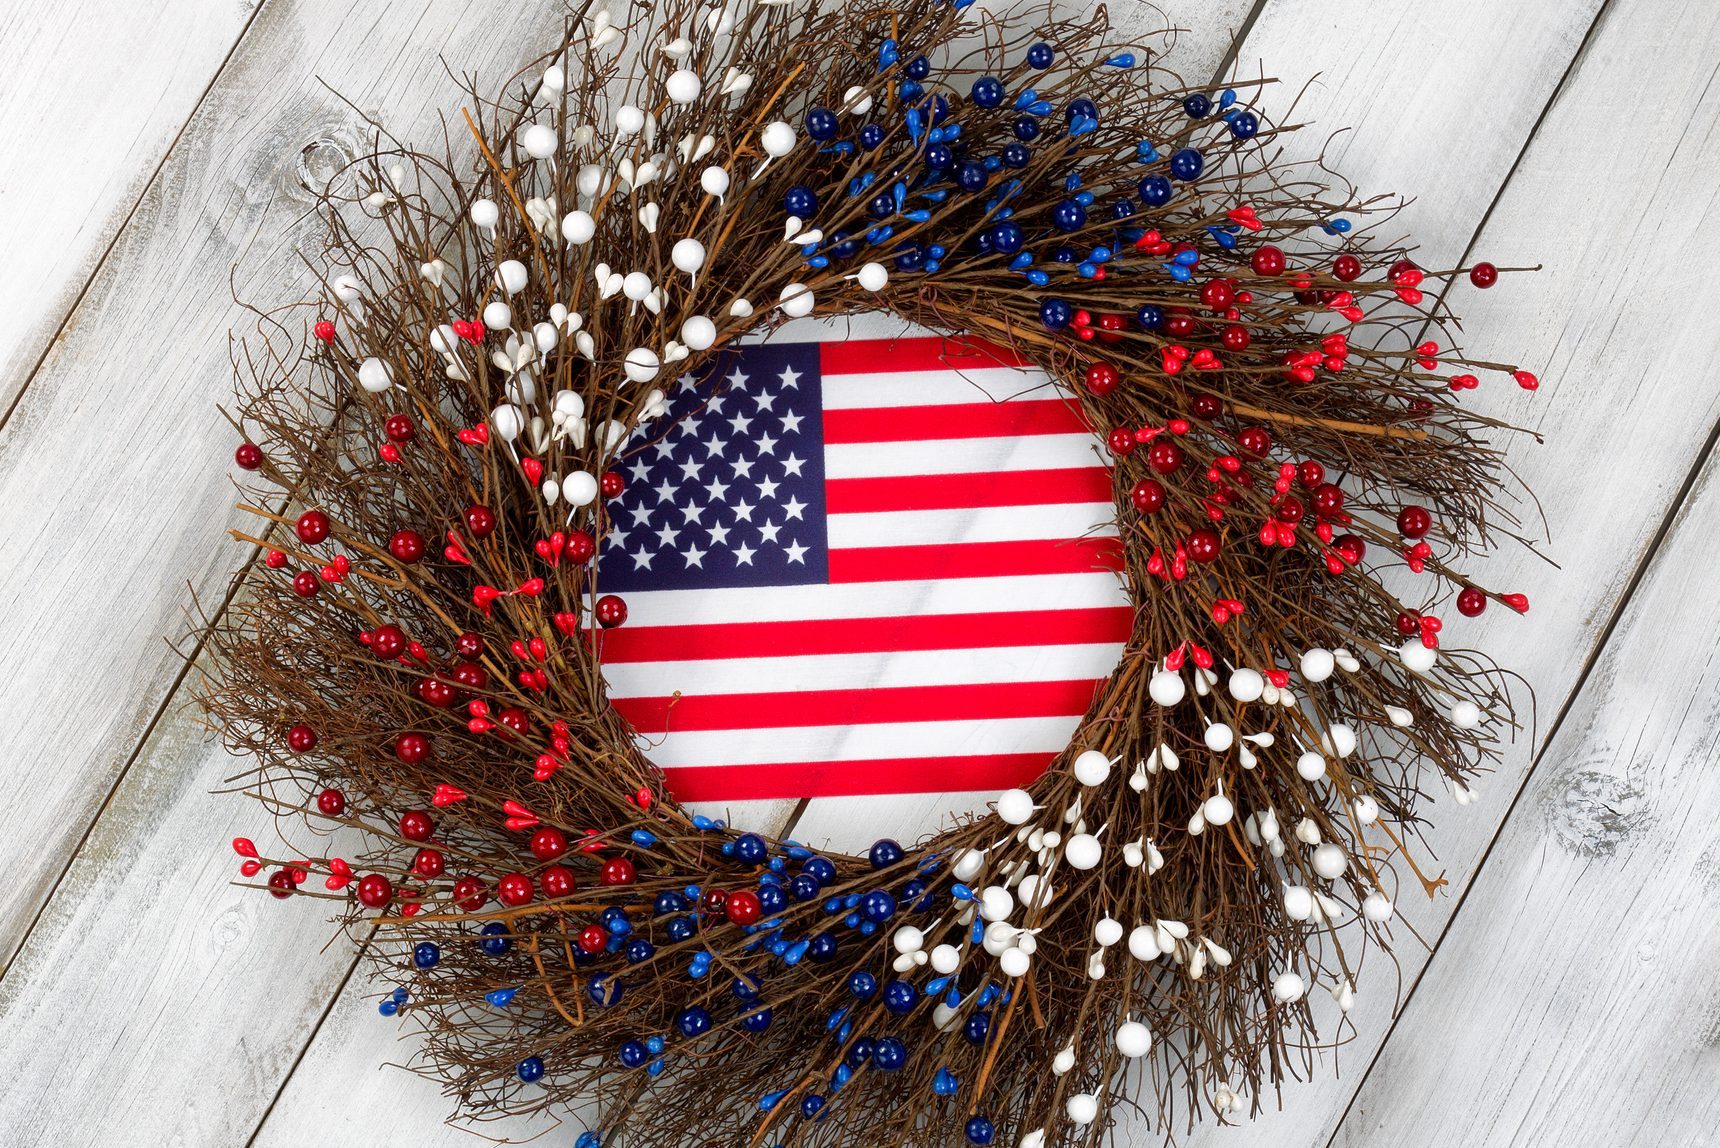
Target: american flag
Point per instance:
(863, 566)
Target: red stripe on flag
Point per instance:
(959, 420)
(867, 635)
(975, 560)
(854, 778)
(879, 356)
(857, 707)
(967, 491)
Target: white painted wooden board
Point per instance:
(1403, 78)
(94, 93)
(338, 1088)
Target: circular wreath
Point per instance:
(414, 659)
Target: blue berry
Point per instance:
(889, 1054)
(679, 929)
(772, 900)
(918, 68)
(804, 887)
(426, 955)
(1017, 155)
(871, 136)
(979, 1130)
(1055, 313)
(756, 1021)
(987, 91)
(844, 248)
(692, 1022)
(1040, 56)
(823, 948)
(1149, 317)
(860, 1052)
(881, 206)
(976, 1028)
(1122, 209)
(1026, 128)
(878, 905)
(809, 1107)
(604, 990)
(1155, 191)
(530, 1069)
(1068, 216)
(884, 853)
(1007, 237)
(1086, 109)
(938, 157)
(1197, 106)
(910, 256)
(862, 984)
(971, 176)
(820, 869)
(745, 988)
(495, 940)
(668, 902)
(750, 847)
(1187, 164)
(1244, 125)
(639, 950)
(900, 997)
(821, 123)
(633, 1054)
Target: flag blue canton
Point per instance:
(727, 488)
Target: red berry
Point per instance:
(618, 871)
(301, 738)
(427, 863)
(1236, 337)
(412, 748)
(1111, 327)
(399, 428)
(281, 883)
(480, 520)
(1165, 457)
(1399, 268)
(1268, 260)
(580, 547)
(515, 719)
(1102, 378)
(1255, 441)
(1346, 268)
(471, 675)
(331, 803)
(612, 484)
(1216, 294)
(714, 901)
(469, 645)
(436, 692)
(1207, 407)
(1179, 323)
(312, 527)
(406, 545)
(1484, 275)
(324, 330)
(415, 824)
(1121, 440)
(611, 611)
(375, 890)
(556, 881)
(1407, 623)
(275, 560)
(1328, 500)
(1289, 510)
(743, 907)
(388, 642)
(592, 939)
(306, 584)
(514, 890)
(548, 844)
(1203, 545)
(1470, 602)
(249, 455)
(1310, 474)
(1148, 496)
(1414, 521)
(470, 894)
(1350, 548)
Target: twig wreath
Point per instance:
(414, 658)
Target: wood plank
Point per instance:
(318, 1105)
(95, 94)
(1572, 1000)
(152, 1003)
(1403, 77)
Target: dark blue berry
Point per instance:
(1149, 317)
(692, 1022)
(1055, 313)
(639, 950)
(918, 68)
(634, 1054)
(750, 847)
(1244, 125)
(1026, 128)
(822, 949)
(1187, 164)
(821, 123)
(495, 939)
(844, 248)
(1086, 109)
(745, 988)
(803, 887)
(1007, 237)
(1197, 106)
(756, 1021)
(889, 1054)
(1040, 56)
(604, 990)
(987, 91)
(426, 955)
(871, 136)
(901, 997)
(976, 1028)
(939, 157)
(801, 201)
(668, 902)
(878, 905)
(680, 929)
(881, 206)
(530, 1069)
(860, 1052)
(1155, 191)
(910, 256)
(1068, 216)
(971, 176)
(809, 1107)
(820, 869)
(1017, 155)
(772, 900)
(979, 1130)
(862, 984)
(1122, 209)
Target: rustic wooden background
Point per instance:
(1563, 991)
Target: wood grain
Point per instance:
(94, 96)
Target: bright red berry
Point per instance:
(1203, 545)
(301, 738)
(1237, 338)
(436, 692)
(618, 871)
(480, 520)
(427, 863)
(306, 584)
(1470, 602)
(1346, 268)
(312, 527)
(331, 803)
(399, 428)
(388, 642)
(417, 825)
(324, 330)
(1121, 440)
(1267, 260)
(249, 456)
(412, 748)
(517, 720)
(1310, 474)
(556, 881)
(548, 844)
(1148, 496)
(514, 890)
(375, 890)
(1165, 457)
(592, 939)
(1484, 275)
(611, 611)
(470, 894)
(406, 545)
(1414, 521)
(612, 484)
(1102, 378)
(743, 907)
(580, 547)
(1216, 294)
